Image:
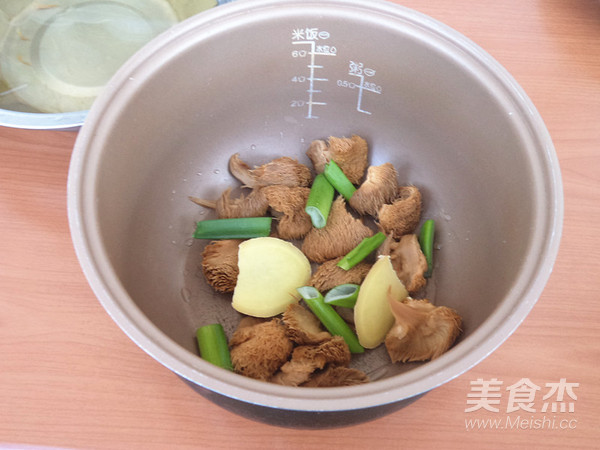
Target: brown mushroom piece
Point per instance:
(351, 154)
(306, 359)
(302, 326)
(247, 322)
(328, 275)
(342, 233)
(422, 330)
(287, 204)
(260, 348)
(284, 170)
(332, 351)
(386, 248)
(252, 205)
(403, 215)
(408, 261)
(294, 373)
(334, 376)
(380, 187)
(220, 264)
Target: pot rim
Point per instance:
(42, 121)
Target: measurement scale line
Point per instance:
(311, 79)
(313, 52)
(360, 93)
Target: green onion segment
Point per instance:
(330, 318)
(339, 180)
(319, 201)
(361, 251)
(343, 295)
(237, 228)
(213, 346)
(426, 242)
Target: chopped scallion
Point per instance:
(213, 346)
(319, 201)
(426, 242)
(339, 180)
(361, 251)
(237, 228)
(330, 318)
(343, 295)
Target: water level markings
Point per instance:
(313, 39)
(358, 69)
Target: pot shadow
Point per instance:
(309, 420)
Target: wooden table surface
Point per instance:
(70, 378)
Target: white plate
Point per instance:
(58, 55)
